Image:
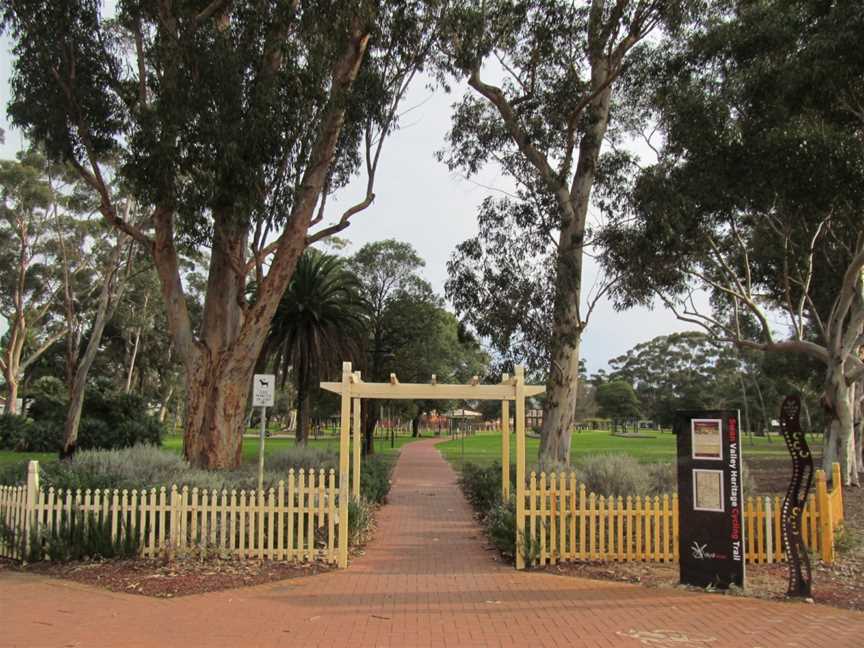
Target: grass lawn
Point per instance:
(484, 448)
(174, 443)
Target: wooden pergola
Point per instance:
(352, 389)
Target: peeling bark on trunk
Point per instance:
(12, 394)
(839, 442)
(215, 417)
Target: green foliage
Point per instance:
(146, 466)
(110, 419)
(847, 539)
(375, 479)
(319, 323)
(610, 474)
(501, 526)
(77, 536)
(13, 431)
(482, 485)
(360, 521)
(617, 400)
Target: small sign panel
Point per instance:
(708, 490)
(707, 439)
(711, 537)
(263, 390)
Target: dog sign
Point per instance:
(263, 390)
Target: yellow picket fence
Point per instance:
(294, 521)
(564, 522)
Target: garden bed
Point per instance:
(162, 579)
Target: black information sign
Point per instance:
(710, 498)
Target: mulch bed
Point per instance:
(162, 579)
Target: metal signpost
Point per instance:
(711, 499)
(263, 396)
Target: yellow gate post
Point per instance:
(355, 481)
(505, 444)
(520, 466)
(345, 425)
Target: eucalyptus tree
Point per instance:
(758, 193)
(389, 272)
(29, 283)
(232, 122)
(563, 66)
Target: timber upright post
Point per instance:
(355, 475)
(520, 466)
(344, 449)
(505, 444)
(31, 516)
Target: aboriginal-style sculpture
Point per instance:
(800, 578)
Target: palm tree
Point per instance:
(320, 322)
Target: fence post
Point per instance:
(31, 521)
(519, 396)
(505, 444)
(345, 422)
(837, 491)
(826, 523)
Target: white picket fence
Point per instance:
(297, 520)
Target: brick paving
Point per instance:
(426, 580)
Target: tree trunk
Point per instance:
(839, 442)
(764, 414)
(808, 420)
(562, 387)
(215, 415)
(12, 393)
(219, 364)
(746, 404)
(369, 416)
(108, 298)
(163, 408)
(415, 425)
(301, 434)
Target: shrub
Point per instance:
(110, 419)
(360, 521)
(13, 431)
(302, 457)
(501, 526)
(613, 474)
(77, 536)
(482, 485)
(14, 473)
(146, 466)
(662, 478)
(375, 479)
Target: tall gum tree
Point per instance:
(232, 121)
(757, 194)
(28, 282)
(544, 125)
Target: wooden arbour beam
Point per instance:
(427, 391)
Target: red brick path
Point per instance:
(426, 580)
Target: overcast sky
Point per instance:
(419, 201)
